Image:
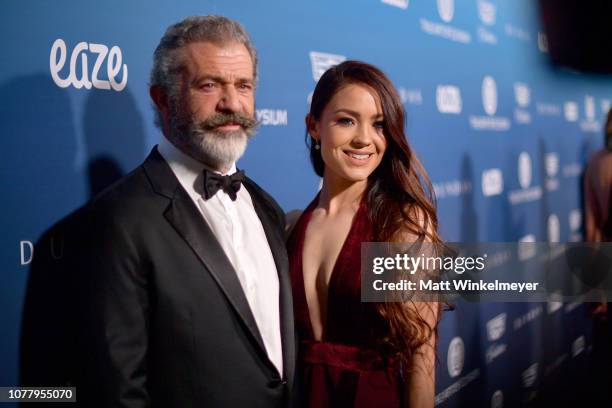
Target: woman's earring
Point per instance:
(317, 145)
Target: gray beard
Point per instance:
(218, 150)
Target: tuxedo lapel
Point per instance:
(277, 246)
(188, 222)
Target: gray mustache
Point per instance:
(220, 119)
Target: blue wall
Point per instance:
(479, 93)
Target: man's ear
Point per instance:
(312, 126)
(160, 99)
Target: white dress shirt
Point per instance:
(241, 235)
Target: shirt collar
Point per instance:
(187, 170)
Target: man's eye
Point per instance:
(245, 87)
(207, 86)
(346, 121)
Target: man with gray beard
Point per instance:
(184, 292)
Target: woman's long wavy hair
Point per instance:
(399, 197)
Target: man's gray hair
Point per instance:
(218, 30)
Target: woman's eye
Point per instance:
(379, 125)
(346, 121)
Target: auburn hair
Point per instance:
(399, 198)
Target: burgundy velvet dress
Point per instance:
(344, 369)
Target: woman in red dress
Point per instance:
(355, 354)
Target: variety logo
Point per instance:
(570, 111)
(272, 117)
(321, 62)
(517, 32)
(578, 346)
(452, 188)
(496, 327)
(548, 109)
(456, 357)
(448, 99)
(403, 4)
(497, 399)
(528, 317)
(553, 228)
(114, 66)
(411, 96)
(530, 375)
(446, 9)
(492, 182)
(524, 169)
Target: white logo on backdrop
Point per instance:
(553, 228)
(497, 399)
(526, 249)
(411, 96)
(489, 95)
(321, 62)
(570, 111)
(456, 357)
(522, 94)
(575, 219)
(605, 106)
(589, 107)
(488, 92)
(552, 164)
(446, 9)
(492, 182)
(272, 117)
(448, 99)
(530, 375)
(590, 124)
(524, 169)
(487, 12)
(496, 327)
(403, 4)
(526, 193)
(114, 66)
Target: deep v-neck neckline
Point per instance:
(304, 228)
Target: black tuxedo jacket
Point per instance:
(162, 318)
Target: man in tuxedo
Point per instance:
(184, 292)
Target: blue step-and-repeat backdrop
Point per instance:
(503, 135)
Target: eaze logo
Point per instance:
(114, 66)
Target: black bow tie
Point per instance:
(214, 182)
